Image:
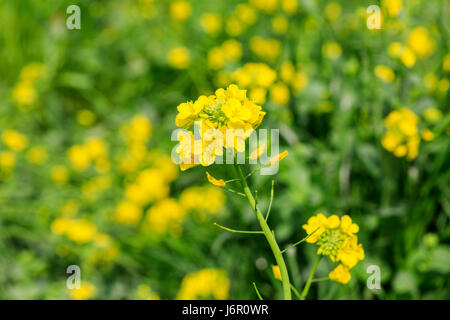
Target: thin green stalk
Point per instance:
(310, 278)
(269, 236)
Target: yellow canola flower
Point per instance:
(79, 157)
(267, 49)
(254, 75)
(150, 185)
(7, 160)
(86, 291)
(180, 10)
(279, 93)
(128, 213)
(265, 5)
(340, 274)
(393, 6)
(402, 136)
(420, 42)
(335, 238)
(384, 73)
(218, 183)
(211, 22)
(279, 24)
(14, 140)
(227, 109)
(203, 199)
(289, 6)
(427, 135)
(137, 130)
(179, 57)
(78, 230)
(24, 93)
(165, 216)
(408, 57)
(204, 284)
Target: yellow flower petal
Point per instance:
(218, 183)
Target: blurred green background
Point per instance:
(86, 117)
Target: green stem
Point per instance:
(310, 278)
(269, 236)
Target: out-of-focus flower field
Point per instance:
(86, 118)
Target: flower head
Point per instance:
(336, 238)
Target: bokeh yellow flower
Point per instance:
(86, 291)
(204, 284)
(384, 73)
(180, 10)
(401, 136)
(179, 58)
(14, 140)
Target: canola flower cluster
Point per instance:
(336, 238)
(24, 94)
(227, 109)
(402, 135)
(205, 284)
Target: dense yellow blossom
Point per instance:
(205, 284)
(267, 49)
(401, 137)
(128, 213)
(254, 75)
(150, 185)
(138, 130)
(229, 51)
(202, 199)
(166, 215)
(336, 238)
(14, 140)
(78, 230)
(227, 109)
